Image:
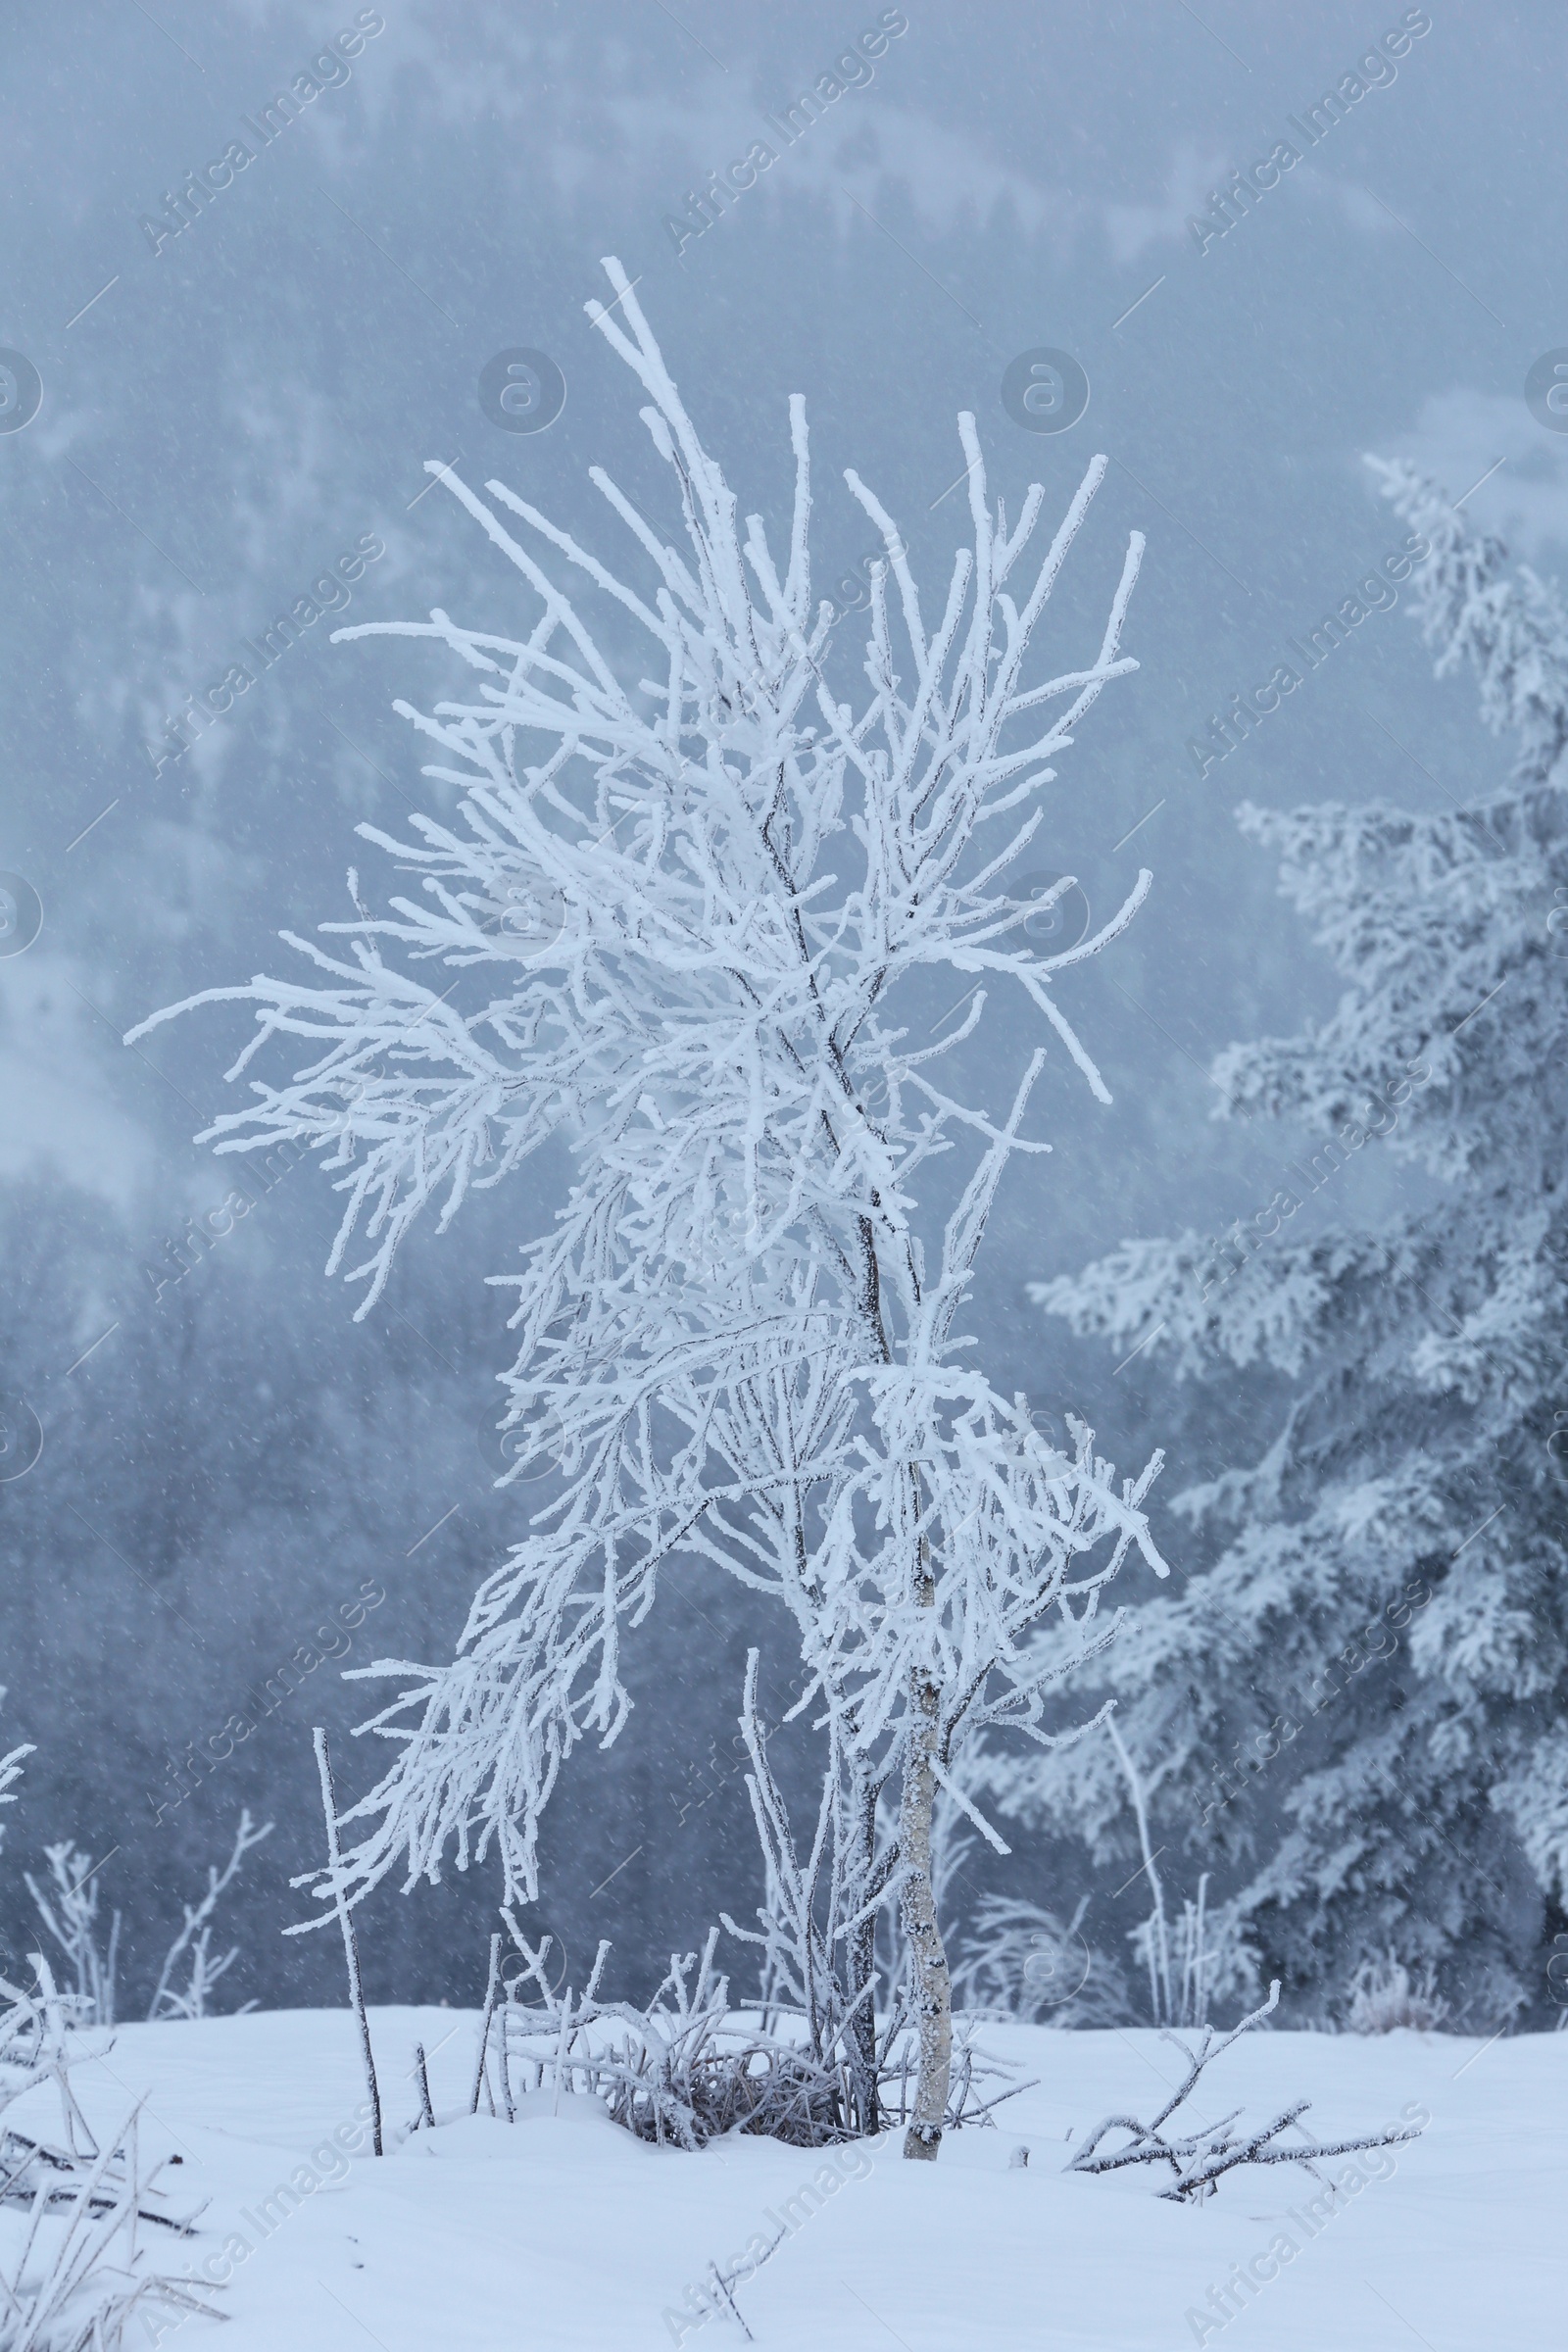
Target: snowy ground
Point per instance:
(562, 2231)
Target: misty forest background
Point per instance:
(237, 1458)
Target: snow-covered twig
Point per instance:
(819, 1917)
(1199, 2159)
(1385, 1995)
(422, 2076)
(492, 1987)
(78, 2277)
(77, 2272)
(351, 1942)
(205, 1972)
(69, 1912)
(1157, 1941)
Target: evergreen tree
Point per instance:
(1357, 1702)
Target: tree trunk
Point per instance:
(933, 1989)
(860, 1805)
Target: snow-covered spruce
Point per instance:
(1360, 1708)
(679, 921)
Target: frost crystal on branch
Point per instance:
(680, 919)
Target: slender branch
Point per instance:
(351, 1943)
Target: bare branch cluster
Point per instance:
(75, 2212)
(1198, 2160)
(686, 2068)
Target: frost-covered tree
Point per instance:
(679, 921)
(1360, 1701)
